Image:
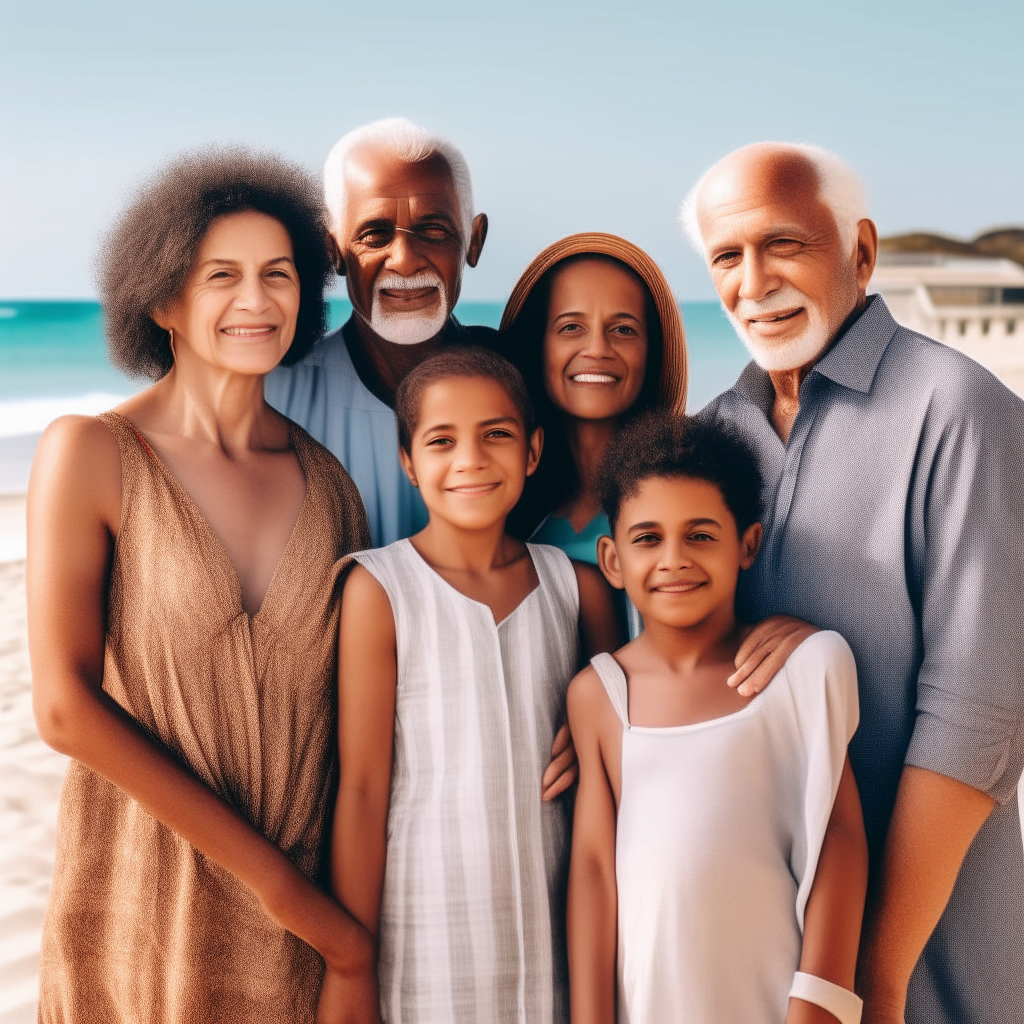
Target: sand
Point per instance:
(30, 779)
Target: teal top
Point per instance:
(581, 546)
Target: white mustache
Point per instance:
(786, 299)
(391, 282)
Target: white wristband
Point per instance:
(844, 1005)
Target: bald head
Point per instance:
(777, 172)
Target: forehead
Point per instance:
(586, 280)
(758, 191)
(373, 177)
(465, 401)
(245, 233)
(673, 499)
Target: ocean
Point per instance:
(53, 361)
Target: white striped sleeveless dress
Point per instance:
(472, 912)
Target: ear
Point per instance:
(406, 460)
(867, 252)
(335, 252)
(750, 544)
(477, 237)
(608, 562)
(534, 449)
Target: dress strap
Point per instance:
(610, 673)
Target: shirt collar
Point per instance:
(851, 361)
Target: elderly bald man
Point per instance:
(894, 471)
(400, 204)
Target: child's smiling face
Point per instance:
(678, 553)
(470, 453)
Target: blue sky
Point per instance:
(574, 116)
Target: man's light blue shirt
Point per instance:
(324, 394)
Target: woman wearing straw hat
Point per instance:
(597, 333)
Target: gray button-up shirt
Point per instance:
(895, 516)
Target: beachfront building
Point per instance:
(970, 303)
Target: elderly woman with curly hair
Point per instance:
(183, 559)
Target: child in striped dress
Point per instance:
(456, 648)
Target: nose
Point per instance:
(675, 555)
(756, 282)
(402, 255)
(252, 295)
(470, 454)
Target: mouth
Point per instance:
(679, 588)
(408, 294)
(594, 378)
(259, 331)
(473, 489)
(776, 318)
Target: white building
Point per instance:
(975, 305)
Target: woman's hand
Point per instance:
(349, 998)
(765, 651)
(564, 769)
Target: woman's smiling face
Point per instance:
(595, 340)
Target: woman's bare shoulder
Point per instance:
(77, 454)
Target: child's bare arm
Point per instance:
(600, 631)
(835, 907)
(367, 679)
(592, 901)
(600, 628)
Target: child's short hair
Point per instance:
(457, 361)
(658, 444)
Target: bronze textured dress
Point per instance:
(141, 928)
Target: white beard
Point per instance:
(411, 328)
(792, 353)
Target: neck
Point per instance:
(687, 648)
(224, 408)
(588, 441)
(447, 546)
(382, 365)
(787, 383)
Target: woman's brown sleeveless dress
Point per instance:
(141, 928)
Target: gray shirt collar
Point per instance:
(852, 360)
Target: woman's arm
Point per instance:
(592, 898)
(835, 906)
(74, 512)
(600, 631)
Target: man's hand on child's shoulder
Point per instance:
(765, 650)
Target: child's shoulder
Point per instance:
(821, 675)
(823, 650)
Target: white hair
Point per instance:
(839, 188)
(406, 141)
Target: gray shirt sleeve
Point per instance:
(966, 544)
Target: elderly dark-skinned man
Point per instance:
(400, 204)
(894, 471)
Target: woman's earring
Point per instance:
(170, 331)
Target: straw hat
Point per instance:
(673, 360)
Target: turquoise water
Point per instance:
(50, 350)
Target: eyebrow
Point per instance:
(483, 423)
(237, 263)
(628, 316)
(795, 231)
(652, 525)
(386, 222)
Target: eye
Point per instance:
(701, 536)
(439, 442)
(725, 259)
(220, 275)
(570, 328)
(499, 432)
(375, 238)
(434, 233)
(646, 538)
(625, 331)
(783, 246)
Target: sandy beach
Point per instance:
(30, 779)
